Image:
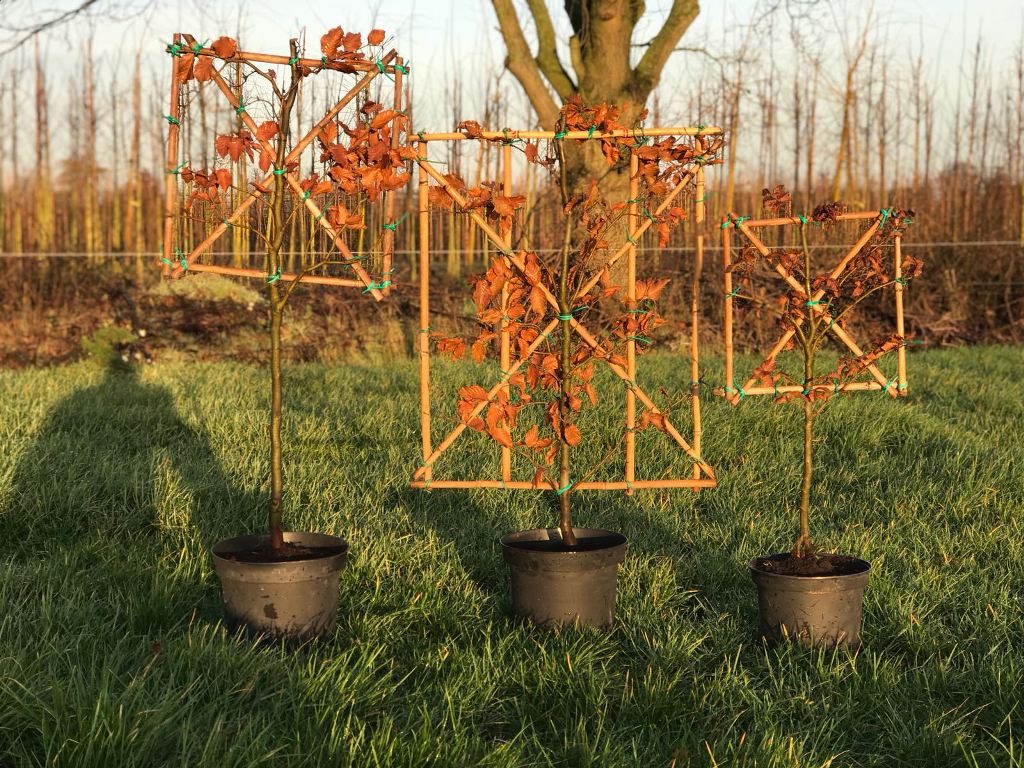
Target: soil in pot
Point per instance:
(817, 602)
(554, 585)
(293, 594)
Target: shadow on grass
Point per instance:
(118, 486)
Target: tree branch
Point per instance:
(521, 64)
(648, 71)
(547, 52)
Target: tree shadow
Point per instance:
(117, 482)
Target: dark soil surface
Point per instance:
(289, 553)
(816, 564)
(590, 544)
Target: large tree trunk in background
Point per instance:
(600, 70)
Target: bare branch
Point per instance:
(648, 70)
(521, 64)
(547, 52)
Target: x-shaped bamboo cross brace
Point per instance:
(814, 301)
(515, 261)
(364, 281)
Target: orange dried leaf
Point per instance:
(225, 47)
(375, 37)
(266, 131)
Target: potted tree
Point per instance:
(564, 574)
(286, 582)
(806, 594)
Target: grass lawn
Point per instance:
(112, 488)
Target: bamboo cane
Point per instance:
(698, 267)
(337, 66)
(901, 353)
(388, 262)
(423, 214)
(726, 268)
(171, 175)
(637, 133)
(525, 485)
(285, 276)
(506, 181)
(632, 220)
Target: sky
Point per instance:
(443, 37)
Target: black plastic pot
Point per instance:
(817, 611)
(296, 599)
(554, 585)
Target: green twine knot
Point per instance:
(176, 171)
(564, 489)
(733, 293)
(403, 68)
(274, 277)
(630, 238)
(649, 215)
(240, 108)
(901, 281)
(734, 222)
(393, 225)
(889, 383)
(172, 120)
(561, 135)
(380, 66)
(738, 390)
(884, 215)
(175, 49)
(198, 47)
(374, 285)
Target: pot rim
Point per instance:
(235, 543)
(591, 559)
(752, 567)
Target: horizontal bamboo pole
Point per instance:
(270, 58)
(781, 222)
(285, 276)
(853, 386)
(682, 130)
(519, 485)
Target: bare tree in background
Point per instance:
(34, 20)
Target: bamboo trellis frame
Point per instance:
(744, 225)
(703, 476)
(390, 64)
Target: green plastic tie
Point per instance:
(380, 66)
(274, 277)
(181, 258)
(813, 302)
(565, 317)
(700, 128)
(641, 339)
(403, 68)
(293, 61)
(172, 120)
(175, 49)
(280, 171)
(428, 329)
(901, 281)
(323, 61)
(629, 485)
(889, 383)
(775, 385)
(419, 135)
(240, 108)
(507, 139)
(393, 226)
(733, 293)
(902, 387)
(318, 216)
(637, 200)
(738, 390)
(199, 47)
(803, 219)
(701, 199)
(177, 170)
(649, 215)
(837, 387)
(560, 491)
(375, 285)
(561, 135)
(740, 220)
(590, 131)
(884, 215)
(630, 238)
(306, 194)
(227, 224)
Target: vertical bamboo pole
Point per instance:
(632, 220)
(698, 267)
(726, 263)
(387, 266)
(901, 353)
(506, 357)
(424, 234)
(170, 177)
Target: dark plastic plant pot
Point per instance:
(553, 585)
(296, 599)
(817, 611)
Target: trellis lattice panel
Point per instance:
(231, 207)
(739, 232)
(641, 214)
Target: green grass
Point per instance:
(112, 652)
